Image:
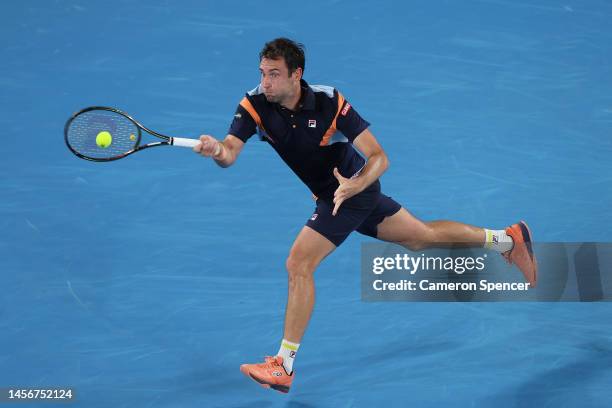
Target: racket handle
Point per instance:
(183, 142)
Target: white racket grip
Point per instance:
(183, 142)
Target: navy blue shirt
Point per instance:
(312, 140)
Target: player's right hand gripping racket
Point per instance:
(102, 134)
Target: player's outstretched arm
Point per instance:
(224, 153)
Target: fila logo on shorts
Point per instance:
(314, 217)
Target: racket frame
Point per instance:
(167, 140)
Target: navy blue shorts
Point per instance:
(361, 213)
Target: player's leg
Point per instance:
(307, 252)
(405, 229)
(321, 235)
(390, 222)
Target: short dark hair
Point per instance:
(289, 50)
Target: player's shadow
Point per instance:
(264, 403)
(564, 385)
(391, 350)
(297, 404)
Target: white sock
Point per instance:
(498, 240)
(287, 351)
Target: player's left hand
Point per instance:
(347, 189)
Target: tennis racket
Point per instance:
(104, 134)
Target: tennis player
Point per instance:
(329, 146)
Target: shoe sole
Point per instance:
(280, 388)
(528, 243)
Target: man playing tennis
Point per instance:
(317, 132)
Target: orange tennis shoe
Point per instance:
(521, 253)
(269, 374)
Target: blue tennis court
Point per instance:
(146, 282)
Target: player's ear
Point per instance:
(297, 74)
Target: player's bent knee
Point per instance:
(299, 266)
(423, 238)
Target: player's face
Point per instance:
(276, 82)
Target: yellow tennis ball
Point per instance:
(104, 139)
(132, 137)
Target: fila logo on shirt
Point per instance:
(346, 109)
(312, 123)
